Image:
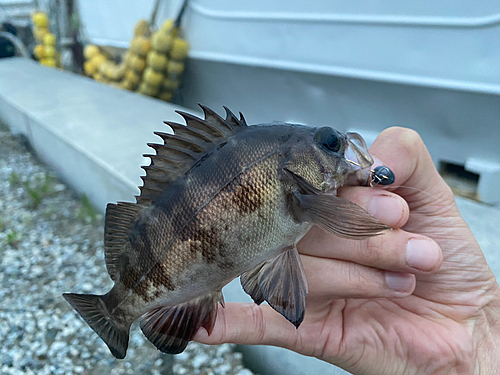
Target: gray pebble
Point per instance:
(244, 372)
(200, 360)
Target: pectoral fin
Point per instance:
(282, 283)
(337, 215)
(170, 328)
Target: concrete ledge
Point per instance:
(94, 135)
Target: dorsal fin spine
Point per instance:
(175, 163)
(201, 124)
(185, 130)
(154, 171)
(154, 178)
(231, 118)
(180, 142)
(211, 115)
(163, 159)
(242, 120)
(168, 148)
(143, 201)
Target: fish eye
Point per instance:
(327, 138)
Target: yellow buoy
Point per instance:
(166, 95)
(167, 25)
(146, 89)
(127, 58)
(180, 48)
(141, 28)
(127, 85)
(98, 60)
(169, 28)
(152, 77)
(157, 61)
(161, 41)
(137, 62)
(175, 67)
(106, 68)
(50, 51)
(40, 19)
(49, 61)
(39, 52)
(49, 39)
(144, 45)
(132, 77)
(90, 51)
(117, 72)
(99, 77)
(89, 68)
(39, 33)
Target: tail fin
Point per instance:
(94, 312)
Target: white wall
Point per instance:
(111, 22)
(453, 40)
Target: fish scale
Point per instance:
(220, 200)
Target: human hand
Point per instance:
(420, 299)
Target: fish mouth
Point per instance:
(356, 152)
(331, 184)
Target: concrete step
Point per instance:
(93, 136)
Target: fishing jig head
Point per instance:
(382, 175)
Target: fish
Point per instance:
(222, 199)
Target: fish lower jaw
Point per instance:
(330, 190)
(330, 186)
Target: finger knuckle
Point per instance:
(357, 278)
(256, 321)
(373, 249)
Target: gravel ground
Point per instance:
(51, 242)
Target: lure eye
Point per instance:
(327, 138)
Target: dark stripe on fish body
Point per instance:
(248, 197)
(206, 242)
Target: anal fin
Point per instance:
(170, 328)
(282, 283)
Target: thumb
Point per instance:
(417, 179)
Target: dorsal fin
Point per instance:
(120, 219)
(181, 150)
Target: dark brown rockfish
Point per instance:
(220, 200)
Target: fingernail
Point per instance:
(387, 209)
(399, 282)
(422, 254)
